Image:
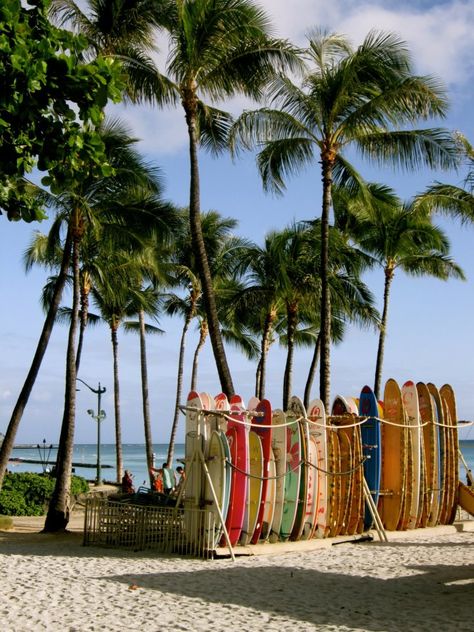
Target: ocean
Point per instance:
(134, 459)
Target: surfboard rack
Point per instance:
(375, 514)
(198, 460)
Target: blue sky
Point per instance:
(430, 335)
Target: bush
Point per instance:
(27, 494)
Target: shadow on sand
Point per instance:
(426, 601)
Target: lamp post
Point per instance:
(98, 417)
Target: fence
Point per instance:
(169, 530)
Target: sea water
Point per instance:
(134, 459)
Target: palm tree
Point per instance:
(351, 301)
(218, 48)
(222, 252)
(98, 206)
(399, 236)
(350, 97)
(125, 30)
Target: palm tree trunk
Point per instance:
(190, 107)
(10, 434)
(258, 377)
(57, 517)
(179, 386)
(325, 331)
(288, 376)
(203, 331)
(389, 272)
(82, 324)
(267, 329)
(118, 422)
(312, 371)
(145, 397)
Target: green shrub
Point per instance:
(6, 522)
(28, 494)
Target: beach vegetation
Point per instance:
(398, 236)
(217, 49)
(51, 105)
(368, 98)
(28, 494)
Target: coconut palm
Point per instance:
(351, 301)
(222, 250)
(217, 49)
(399, 237)
(125, 30)
(361, 97)
(98, 207)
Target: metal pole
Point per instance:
(100, 415)
(99, 419)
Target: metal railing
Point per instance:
(168, 530)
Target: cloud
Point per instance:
(439, 36)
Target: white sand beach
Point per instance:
(420, 580)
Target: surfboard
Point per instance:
(443, 453)
(431, 445)
(262, 425)
(238, 443)
(447, 392)
(349, 499)
(334, 459)
(317, 414)
(410, 402)
(193, 441)
(221, 403)
(394, 458)
(310, 517)
(279, 452)
(298, 410)
(254, 487)
(371, 447)
(207, 421)
(216, 465)
(253, 403)
(292, 478)
(465, 498)
(269, 510)
(228, 472)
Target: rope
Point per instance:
(393, 423)
(302, 462)
(464, 423)
(363, 420)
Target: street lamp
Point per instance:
(98, 417)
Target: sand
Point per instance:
(420, 580)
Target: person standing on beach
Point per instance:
(127, 483)
(169, 480)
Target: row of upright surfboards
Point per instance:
(297, 474)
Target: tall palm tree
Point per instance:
(100, 207)
(359, 97)
(399, 237)
(222, 252)
(218, 49)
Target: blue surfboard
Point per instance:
(371, 447)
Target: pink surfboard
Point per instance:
(238, 443)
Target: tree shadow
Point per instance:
(329, 598)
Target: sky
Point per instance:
(429, 337)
